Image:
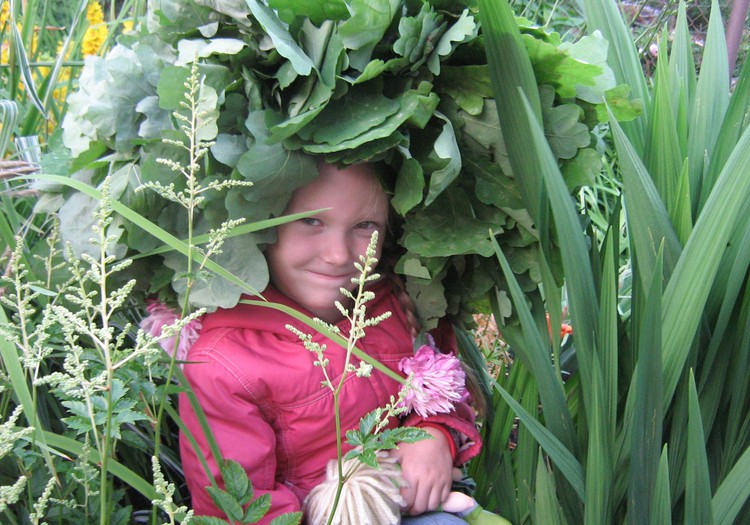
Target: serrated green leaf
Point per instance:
(236, 481)
(258, 508)
(446, 148)
(226, 503)
(463, 30)
(291, 518)
(207, 520)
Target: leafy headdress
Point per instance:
(284, 83)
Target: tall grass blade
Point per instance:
(599, 468)
(709, 107)
(535, 354)
(689, 286)
(511, 74)
(546, 507)
(564, 460)
(582, 296)
(650, 225)
(697, 484)
(648, 413)
(12, 363)
(661, 509)
(78, 17)
(8, 121)
(116, 468)
(607, 336)
(681, 61)
(733, 492)
(662, 149)
(735, 122)
(25, 69)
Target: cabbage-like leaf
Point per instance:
(462, 31)
(448, 227)
(318, 11)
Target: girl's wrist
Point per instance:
(449, 437)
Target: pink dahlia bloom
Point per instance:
(439, 381)
(159, 316)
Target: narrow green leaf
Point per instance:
(607, 336)
(188, 434)
(511, 74)
(709, 107)
(681, 61)
(535, 353)
(582, 297)
(662, 148)
(661, 509)
(564, 460)
(546, 507)
(735, 121)
(648, 413)
(12, 364)
(75, 448)
(599, 468)
(648, 221)
(733, 492)
(681, 213)
(9, 119)
(698, 510)
(25, 68)
(688, 288)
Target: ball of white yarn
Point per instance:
(369, 496)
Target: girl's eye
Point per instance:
(366, 225)
(310, 221)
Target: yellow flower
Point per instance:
(94, 13)
(97, 31)
(4, 13)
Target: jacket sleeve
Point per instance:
(242, 435)
(460, 423)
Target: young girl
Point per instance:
(260, 390)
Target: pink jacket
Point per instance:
(264, 401)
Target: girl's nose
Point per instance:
(337, 249)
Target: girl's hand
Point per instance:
(427, 468)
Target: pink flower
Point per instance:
(159, 316)
(439, 381)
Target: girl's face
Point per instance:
(313, 258)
